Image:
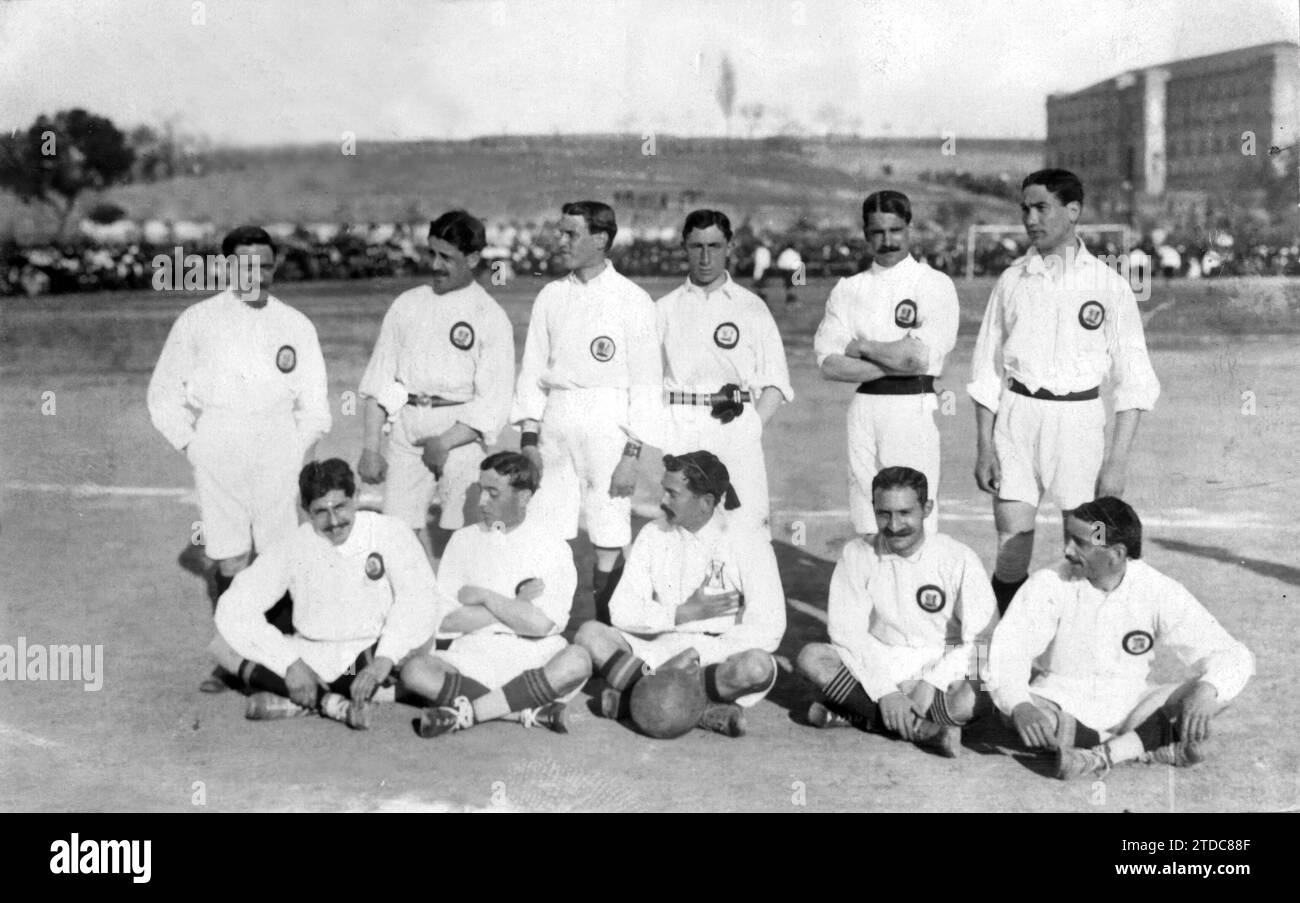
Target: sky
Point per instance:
(293, 71)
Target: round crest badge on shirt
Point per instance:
(462, 336)
(726, 335)
(931, 598)
(374, 565)
(1091, 315)
(286, 359)
(905, 314)
(1138, 642)
(602, 348)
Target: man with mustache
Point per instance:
(909, 616)
(889, 329)
(720, 340)
(694, 590)
(364, 598)
(590, 391)
(441, 375)
(1058, 323)
(1088, 630)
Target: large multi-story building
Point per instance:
(1175, 137)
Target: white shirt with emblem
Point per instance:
(927, 616)
(1095, 650)
(499, 560)
(225, 355)
(668, 564)
(723, 336)
(598, 334)
(1063, 329)
(376, 586)
(459, 346)
(873, 306)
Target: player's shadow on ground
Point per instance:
(1284, 572)
(805, 578)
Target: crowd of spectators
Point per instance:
(328, 251)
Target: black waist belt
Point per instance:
(1019, 388)
(430, 401)
(898, 385)
(701, 398)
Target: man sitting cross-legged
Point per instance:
(514, 579)
(694, 589)
(364, 597)
(908, 614)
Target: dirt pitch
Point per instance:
(94, 549)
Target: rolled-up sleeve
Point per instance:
(241, 611)
(167, 398)
(493, 377)
(1133, 379)
(833, 333)
(985, 386)
(530, 397)
(1199, 639)
(1021, 636)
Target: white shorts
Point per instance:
(891, 431)
(410, 488)
(738, 445)
(246, 477)
(329, 659)
(1049, 448)
(494, 659)
(581, 444)
(713, 650)
(1102, 706)
(906, 663)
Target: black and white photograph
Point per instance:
(494, 406)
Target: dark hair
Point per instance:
(456, 227)
(704, 475)
(598, 216)
(887, 201)
(902, 478)
(1062, 183)
(1119, 522)
(705, 219)
(518, 468)
(246, 235)
(319, 478)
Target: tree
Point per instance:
(58, 158)
(726, 92)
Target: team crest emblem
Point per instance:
(286, 359)
(462, 336)
(602, 348)
(1138, 642)
(905, 314)
(1091, 315)
(374, 565)
(726, 336)
(931, 598)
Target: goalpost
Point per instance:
(1095, 229)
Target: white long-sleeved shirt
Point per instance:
(597, 334)
(719, 337)
(340, 593)
(938, 599)
(1064, 329)
(224, 355)
(668, 564)
(1100, 647)
(459, 346)
(873, 306)
(500, 560)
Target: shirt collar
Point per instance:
(1037, 265)
(724, 288)
(882, 550)
(717, 524)
(902, 267)
(609, 268)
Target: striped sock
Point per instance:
(939, 713)
(457, 684)
(529, 691)
(845, 695)
(622, 670)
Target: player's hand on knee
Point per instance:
(371, 676)
(372, 468)
(434, 455)
(303, 683)
(623, 483)
(898, 712)
(988, 475)
(1198, 708)
(1034, 726)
